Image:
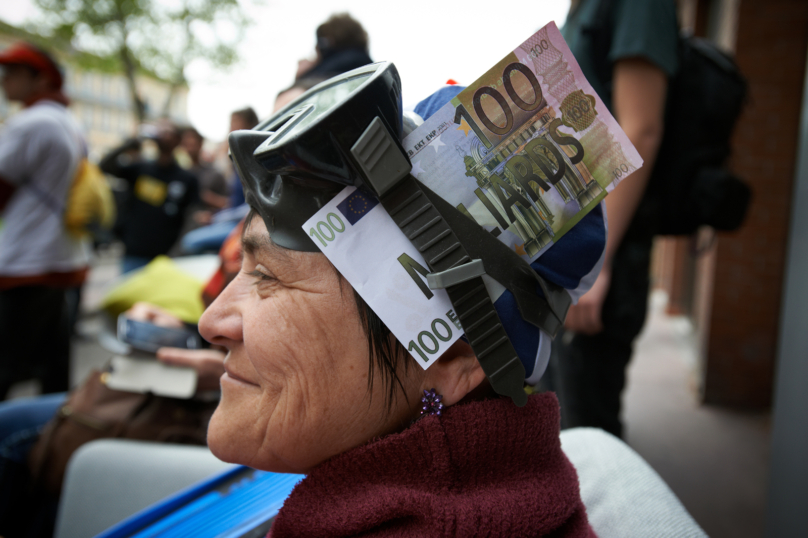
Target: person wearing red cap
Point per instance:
(40, 149)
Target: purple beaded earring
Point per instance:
(432, 403)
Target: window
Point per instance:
(87, 117)
(106, 119)
(87, 82)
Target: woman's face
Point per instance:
(295, 391)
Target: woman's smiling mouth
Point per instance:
(233, 376)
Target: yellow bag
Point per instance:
(89, 200)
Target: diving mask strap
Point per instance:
(429, 232)
(422, 215)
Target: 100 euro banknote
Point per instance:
(527, 150)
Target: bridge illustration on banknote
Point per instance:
(494, 172)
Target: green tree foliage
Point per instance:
(162, 36)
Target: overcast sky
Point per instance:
(429, 41)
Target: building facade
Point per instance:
(100, 98)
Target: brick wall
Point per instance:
(742, 321)
(671, 271)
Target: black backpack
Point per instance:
(690, 186)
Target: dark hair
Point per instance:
(341, 31)
(248, 116)
(194, 132)
(385, 352)
(171, 125)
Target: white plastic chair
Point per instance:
(109, 480)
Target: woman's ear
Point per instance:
(455, 374)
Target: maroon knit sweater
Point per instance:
(482, 469)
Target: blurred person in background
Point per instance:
(209, 238)
(589, 361)
(342, 45)
(22, 420)
(26, 507)
(40, 150)
(160, 193)
(213, 187)
(241, 119)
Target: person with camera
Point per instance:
(159, 194)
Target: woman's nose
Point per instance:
(221, 323)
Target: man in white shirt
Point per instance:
(40, 149)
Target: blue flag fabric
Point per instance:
(356, 206)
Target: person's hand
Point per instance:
(208, 363)
(149, 313)
(586, 316)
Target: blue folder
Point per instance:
(238, 503)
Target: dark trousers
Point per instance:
(588, 373)
(34, 338)
(25, 511)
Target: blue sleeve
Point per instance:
(237, 194)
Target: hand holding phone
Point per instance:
(149, 337)
(138, 370)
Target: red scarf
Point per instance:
(482, 469)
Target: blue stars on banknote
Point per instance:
(356, 206)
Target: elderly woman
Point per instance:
(315, 383)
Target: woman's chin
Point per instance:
(234, 435)
(224, 440)
(232, 429)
